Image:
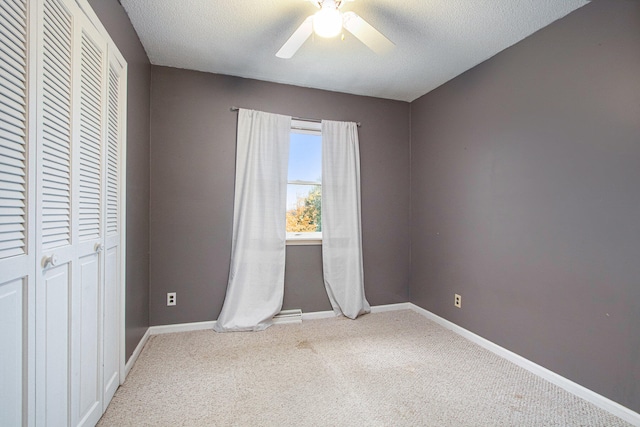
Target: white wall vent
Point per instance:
(288, 316)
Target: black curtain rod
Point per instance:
(297, 118)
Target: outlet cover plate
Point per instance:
(171, 298)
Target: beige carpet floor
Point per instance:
(385, 369)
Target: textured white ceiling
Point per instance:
(435, 40)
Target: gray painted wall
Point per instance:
(117, 23)
(523, 194)
(193, 136)
(525, 199)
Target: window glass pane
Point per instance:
(304, 208)
(305, 157)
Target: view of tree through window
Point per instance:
(304, 189)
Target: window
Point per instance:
(304, 187)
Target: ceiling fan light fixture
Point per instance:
(330, 22)
(327, 22)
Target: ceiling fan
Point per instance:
(329, 22)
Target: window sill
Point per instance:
(294, 239)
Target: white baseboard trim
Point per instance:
(391, 307)
(200, 326)
(181, 327)
(135, 354)
(590, 396)
(315, 315)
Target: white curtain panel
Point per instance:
(341, 225)
(256, 277)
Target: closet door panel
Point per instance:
(54, 378)
(17, 261)
(55, 251)
(86, 367)
(116, 91)
(111, 363)
(89, 139)
(12, 335)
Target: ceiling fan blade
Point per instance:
(297, 39)
(368, 35)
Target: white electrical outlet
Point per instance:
(457, 300)
(171, 298)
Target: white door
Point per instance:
(114, 194)
(17, 262)
(89, 135)
(55, 250)
(62, 106)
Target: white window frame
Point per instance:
(305, 238)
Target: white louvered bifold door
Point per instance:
(55, 250)
(62, 203)
(17, 262)
(114, 201)
(89, 136)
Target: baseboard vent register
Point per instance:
(288, 316)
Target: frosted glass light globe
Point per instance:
(327, 22)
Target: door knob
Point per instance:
(51, 260)
(98, 247)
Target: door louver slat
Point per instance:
(13, 125)
(13, 29)
(56, 126)
(10, 100)
(11, 138)
(91, 126)
(13, 85)
(8, 53)
(113, 125)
